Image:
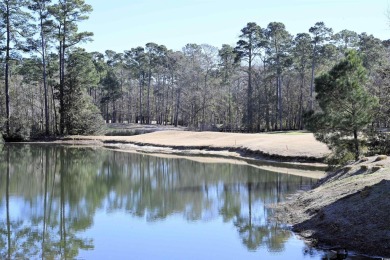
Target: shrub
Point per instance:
(380, 158)
(365, 192)
(85, 118)
(19, 130)
(376, 168)
(379, 143)
(339, 157)
(347, 168)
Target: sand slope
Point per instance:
(300, 145)
(349, 209)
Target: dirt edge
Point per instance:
(242, 151)
(347, 210)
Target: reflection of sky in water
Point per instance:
(174, 238)
(19, 208)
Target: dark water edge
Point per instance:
(92, 203)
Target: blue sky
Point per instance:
(123, 24)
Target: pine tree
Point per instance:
(320, 34)
(346, 106)
(278, 49)
(248, 47)
(81, 116)
(67, 14)
(40, 8)
(17, 28)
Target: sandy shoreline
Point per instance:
(297, 154)
(298, 146)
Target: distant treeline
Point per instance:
(263, 83)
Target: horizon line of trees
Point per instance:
(264, 83)
(49, 86)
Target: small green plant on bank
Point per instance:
(339, 157)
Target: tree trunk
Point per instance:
(249, 95)
(54, 109)
(204, 101)
(300, 116)
(107, 116)
(140, 97)
(280, 108)
(176, 117)
(121, 105)
(7, 59)
(313, 65)
(114, 113)
(43, 48)
(148, 101)
(163, 110)
(62, 112)
(230, 115)
(356, 142)
(62, 74)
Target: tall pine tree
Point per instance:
(248, 47)
(16, 22)
(67, 14)
(346, 106)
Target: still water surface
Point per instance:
(91, 203)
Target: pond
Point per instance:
(61, 202)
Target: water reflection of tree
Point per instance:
(50, 227)
(255, 229)
(160, 187)
(65, 187)
(16, 240)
